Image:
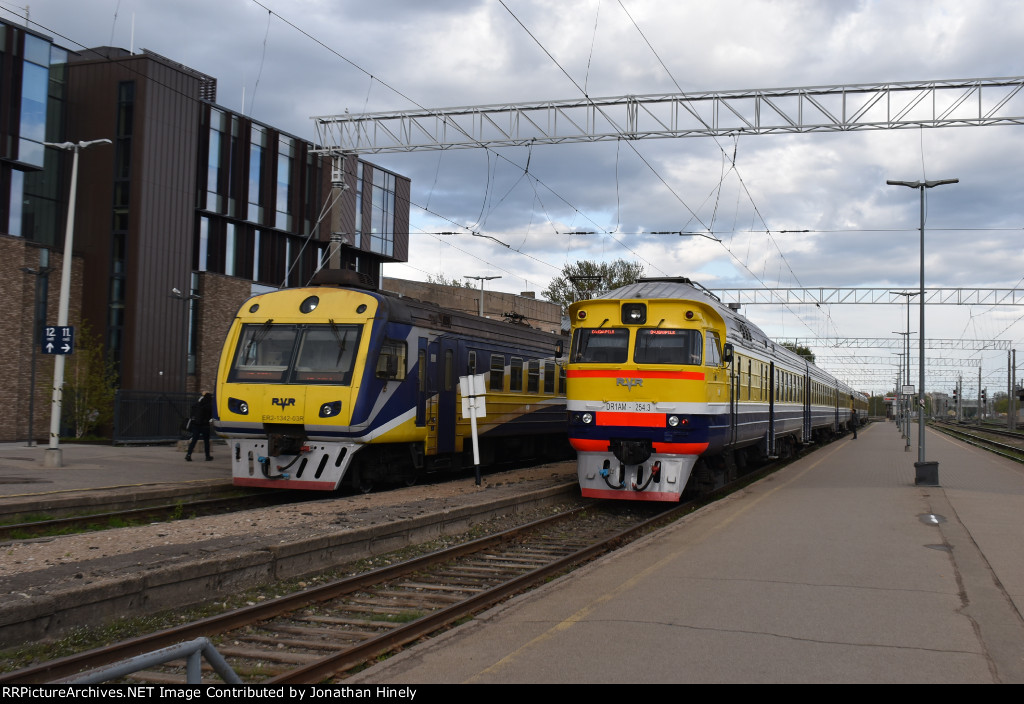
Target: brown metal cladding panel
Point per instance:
(402, 189)
(163, 213)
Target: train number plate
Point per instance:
(629, 406)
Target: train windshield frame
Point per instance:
(600, 346)
(296, 354)
(667, 346)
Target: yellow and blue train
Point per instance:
(665, 381)
(331, 384)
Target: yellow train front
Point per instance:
(665, 382)
(324, 384)
(647, 392)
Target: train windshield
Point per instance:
(600, 346)
(661, 346)
(296, 354)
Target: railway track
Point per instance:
(1009, 444)
(319, 634)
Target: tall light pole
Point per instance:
(53, 456)
(926, 473)
(481, 279)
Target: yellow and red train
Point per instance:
(665, 381)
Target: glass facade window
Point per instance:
(285, 155)
(257, 153)
(214, 200)
(229, 250)
(382, 213)
(35, 88)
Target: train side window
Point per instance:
(549, 377)
(471, 364)
(515, 371)
(712, 349)
(391, 362)
(749, 368)
(497, 372)
(533, 377)
(561, 380)
(449, 364)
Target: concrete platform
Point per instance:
(836, 569)
(27, 484)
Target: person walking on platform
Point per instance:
(199, 424)
(853, 421)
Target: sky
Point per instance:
(284, 61)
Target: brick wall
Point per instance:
(540, 314)
(222, 296)
(17, 291)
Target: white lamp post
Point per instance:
(52, 456)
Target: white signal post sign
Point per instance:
(474, 405)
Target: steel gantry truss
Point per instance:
(832, 295)
(837, 108)
(892, 343)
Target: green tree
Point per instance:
(585, 279)
(90, 382)
(800, 350)
(442, 280)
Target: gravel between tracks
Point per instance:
(36, 566)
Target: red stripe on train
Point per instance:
(634, 373)
(633, 420)
(663, 448)
(627, 495)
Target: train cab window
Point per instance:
(497, 382)
(327, 354)
(515, 374)
(664, 346)
(600, 346)
(533, 377)
(549, 377)
(471, 364)
(391, 362)
(264, 353)
(713, 350)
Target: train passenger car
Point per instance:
(325, 384)
(665, 382)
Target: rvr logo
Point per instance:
(283, 402)
(629, 383)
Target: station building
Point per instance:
(190, 210)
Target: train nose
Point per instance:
(631, 451)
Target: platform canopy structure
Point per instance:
(835, 108)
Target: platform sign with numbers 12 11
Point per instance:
(58, 340)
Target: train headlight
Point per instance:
(634, 313)
(310, 304)
(329, 410)
(237, 405)
(587, 418)
(673, 421)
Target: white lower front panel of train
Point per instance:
(660, 478)
(320, 466)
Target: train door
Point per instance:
(734, 399)
(771, 410)
(431, 401)
(421, 383)
(807, 403)
(446, 396)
